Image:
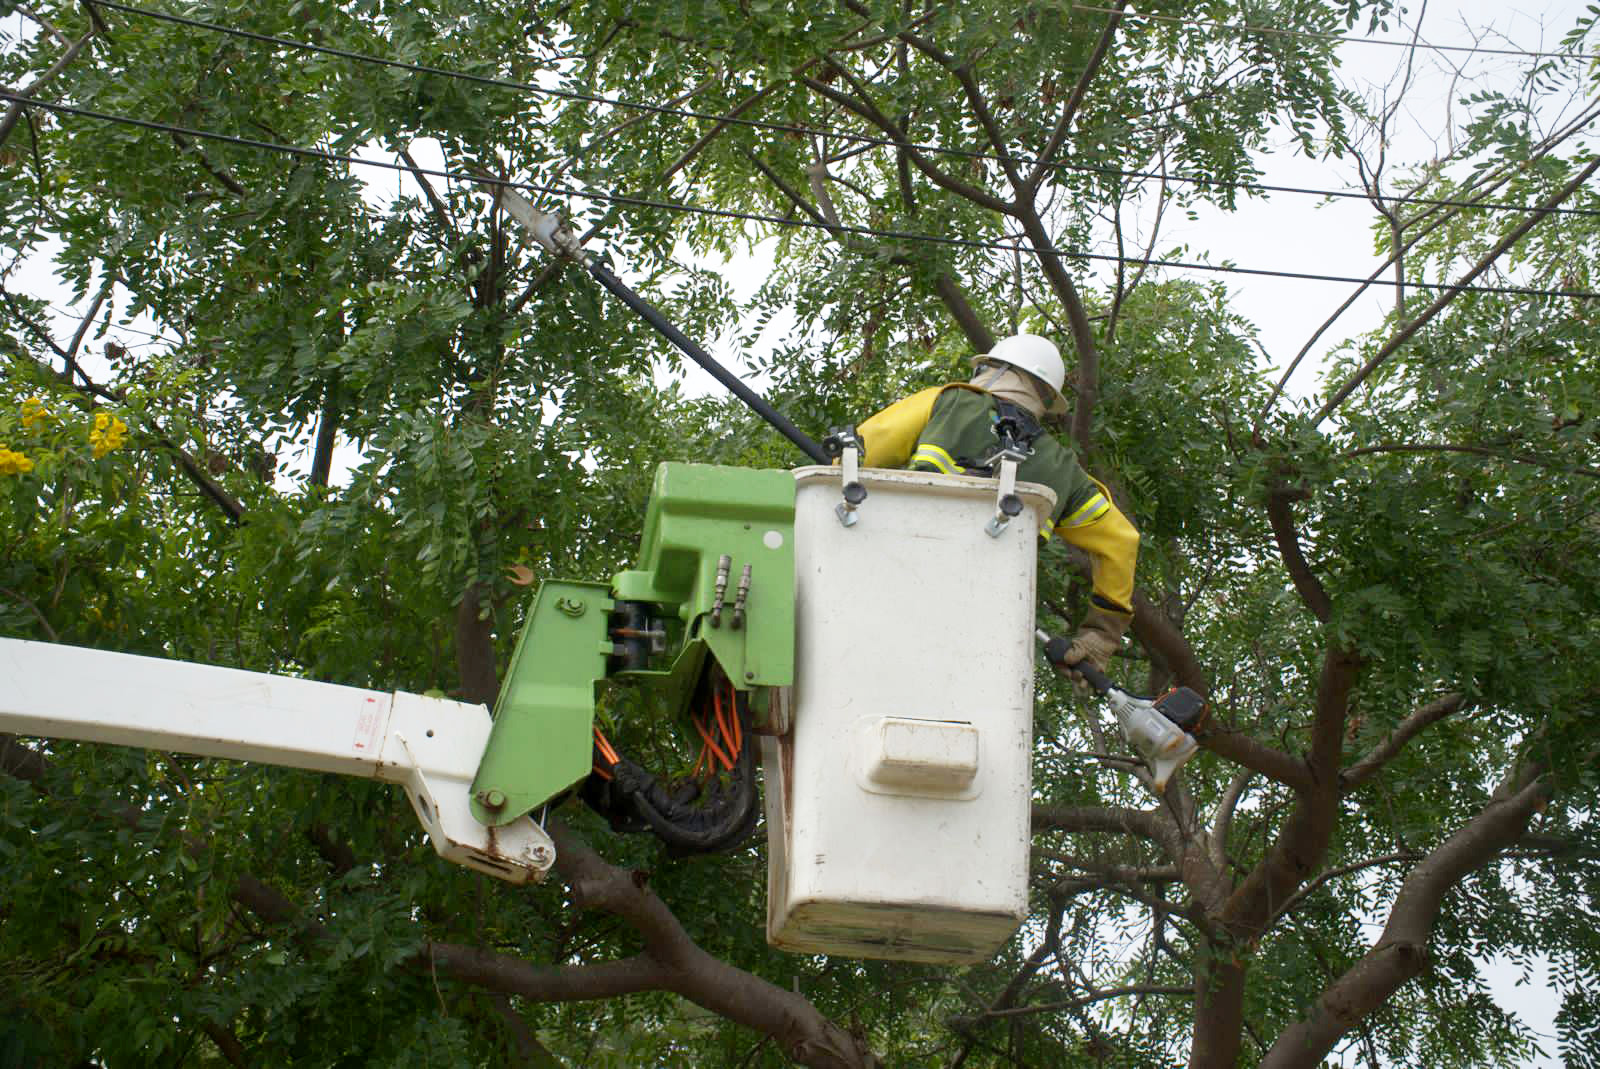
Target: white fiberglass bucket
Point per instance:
(898, 803)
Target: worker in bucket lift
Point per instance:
(952, 429)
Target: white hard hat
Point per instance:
(1038, 357)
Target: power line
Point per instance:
(116, 326)
(808, 131)
(775, 220)
(1342, 38)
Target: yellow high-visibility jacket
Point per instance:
(944, 428)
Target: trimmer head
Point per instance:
(1158, 730)
(1160, 743)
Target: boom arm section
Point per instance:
(429, 746)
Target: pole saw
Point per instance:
(549, 231)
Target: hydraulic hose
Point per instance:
(690, 828)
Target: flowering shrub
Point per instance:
(107, 434)
(13, 462)
(34, 411)
(44, 436)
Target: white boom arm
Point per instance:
(430, 746)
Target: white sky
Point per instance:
(1284, 232)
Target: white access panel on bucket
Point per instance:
(897, 805)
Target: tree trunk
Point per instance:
(475, 649)
(1218, 1009)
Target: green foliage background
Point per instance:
(502, 414)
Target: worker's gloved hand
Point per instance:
(1099, 636)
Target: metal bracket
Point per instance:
(542, 738)
(1007, 504)
(853, 492)
(514, 852)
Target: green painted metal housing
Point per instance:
(697, 513)
(541, 740)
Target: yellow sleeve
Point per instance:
(1103, 532)
(891, 435)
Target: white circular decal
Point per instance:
(772, 539)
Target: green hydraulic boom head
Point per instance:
(714, 578)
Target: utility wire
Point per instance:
(808, 131)
(58, 310)
(1342, 38)
(775, 220)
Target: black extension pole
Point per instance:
(677, 337)
(548, 231)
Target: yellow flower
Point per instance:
(33, 411)
(108, 434)
(13, 462)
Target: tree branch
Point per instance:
(1097, 996)
(532, 1051)
(1403, 335)
(723, 123)
(1086, 383)
(1075, 99)
(1048, 947)
(1141, 823)
(14, 112)
(441, 213)
(1217, 842)
(1077, 885)
(955, 301)
(1408, 729)
(70, 357)
(1163, 195)
(670, 961)
(1163, 639)
(1305, 582)
(1303, 839)
(1418, 227)
(474, 634)
(755, 97)
(38, 613)
(867, 110)
(327, 434)
(223, 175)
(51, 28)
(493, 971)
(1401, 952)
(1112, 871)
(228, 1043)
(944, 285)
(805, 1034)
(1343, 870)
(23, 762)
(191, 468)
(198, 475)
(1157, 633)
(980, 108)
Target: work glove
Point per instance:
(1099, 636)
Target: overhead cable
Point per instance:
(810, 131)
(774, 220)
(1342, 38)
